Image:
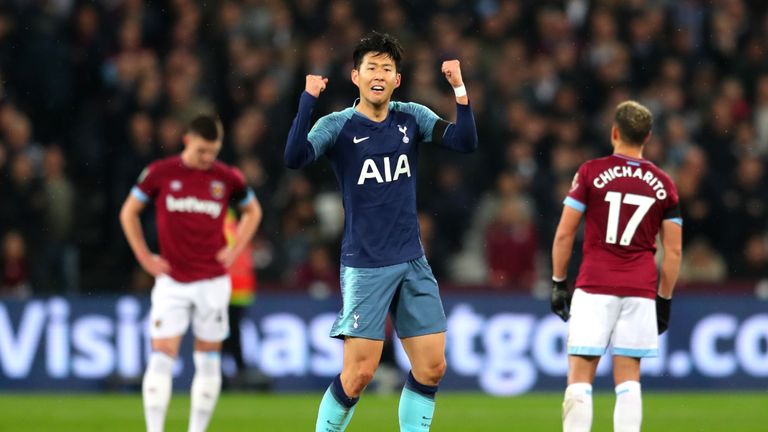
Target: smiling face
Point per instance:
(377, 78)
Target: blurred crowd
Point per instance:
(93, 91)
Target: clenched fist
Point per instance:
(315, 85)
(452, 71)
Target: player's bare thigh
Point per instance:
(625, 369)
(582, 369)
(201, 345)
(361, 358)
(168, 346)
(427, 356)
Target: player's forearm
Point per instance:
(133, 233)
(298, 149)
(462, 136)
(562, 247)
(246, 228)
(670, 269)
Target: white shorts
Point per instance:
(205, 302)
(628, 324)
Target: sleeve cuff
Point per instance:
(575, 204)
(676, 220)
(307, 98)
(250, 196)
(467, 107)
(139, 194)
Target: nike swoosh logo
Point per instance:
(359, 140)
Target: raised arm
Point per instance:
(298, 150)
(462, 135)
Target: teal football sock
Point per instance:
(417, 406)
(336, 409)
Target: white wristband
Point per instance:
(460, 91)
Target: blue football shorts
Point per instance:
(408, 291)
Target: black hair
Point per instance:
(379, 43)
(207, 127)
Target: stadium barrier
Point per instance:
(502, 345)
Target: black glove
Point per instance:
(560, 301)
(662, 313)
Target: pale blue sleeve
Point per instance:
(323, 134)
(425, 118)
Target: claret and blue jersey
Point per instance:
(376, 167)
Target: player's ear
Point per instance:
(355, 77)
(614, 133)
(397, 80)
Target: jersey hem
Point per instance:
(370, 264)
(198, 279)
(618, 291)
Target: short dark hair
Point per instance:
(379, 43)
(207, 126)
(634, 122)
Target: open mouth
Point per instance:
(377, 89)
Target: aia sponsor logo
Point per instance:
(373, 171)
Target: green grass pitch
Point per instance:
(677, 412)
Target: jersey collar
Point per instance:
(629, 158)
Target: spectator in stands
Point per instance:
(745, 202)
(14, 267)
(752, 264)
(27, 193)
(112, 82)
(511, 241)
(18, 138)
(699, 192)
(434, 246)
(61, 256)
(702, 263)
(451, 205)
(169, 131)
(471, 266)
(318, 275)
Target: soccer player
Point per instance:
(626, 201)
(190, 192)
(373, 150)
